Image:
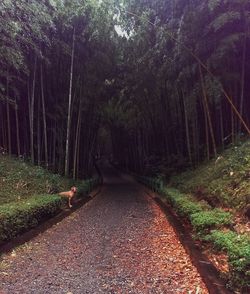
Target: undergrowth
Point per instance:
(223, 181)
(28, 195)
(19, 180)
(238, 250)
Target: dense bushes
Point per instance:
(17, 217)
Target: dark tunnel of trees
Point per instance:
(155, 83)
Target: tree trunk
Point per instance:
(17, 130)
(32, 102)
(77, 140)
(243, 70)
(187, 130)
(206, 130)
(208, 112)
(38, 134)
(8, 115)
(221, 127)
(44, 121)
(69, 107)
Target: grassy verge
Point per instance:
(224, 181)
(210, 225)
(16, 218)
(28, 195)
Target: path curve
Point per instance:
(119, 242)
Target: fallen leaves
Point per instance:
(113, 245)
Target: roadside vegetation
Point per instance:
(224, 181)
(214, 200)
(28, 195)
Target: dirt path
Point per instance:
(120, 242)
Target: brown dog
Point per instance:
(69, 194)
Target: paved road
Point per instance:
(119, 242)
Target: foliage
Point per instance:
(26, 180)
(207, 220)
(86, 186)
(183, 204)
(225, 182)
(238, 249)
(204, 221)
(18, 217)
(28, 203)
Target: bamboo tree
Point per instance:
(187, 130)
(69, 106)
(8, 115)
(44, 120)
(31, 112)
(38, 133)
(77, 141)
(208, 112)
(17, 129)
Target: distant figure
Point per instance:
(69, 194)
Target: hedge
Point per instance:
(18, 217)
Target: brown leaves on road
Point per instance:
(120, 242)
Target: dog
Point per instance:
(69, 194)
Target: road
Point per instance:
(119, 242)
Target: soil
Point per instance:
(119, 242)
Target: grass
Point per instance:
(28, 195)
(20, 180)
(225, 183)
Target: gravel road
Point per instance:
(119, 242)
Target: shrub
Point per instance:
(17, 217)
(206, 220)
(184, 205)
(87, 186)
(238, 249)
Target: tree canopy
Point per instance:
(166, 78)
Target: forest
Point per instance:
(155, 83)
(158, 91)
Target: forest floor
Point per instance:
(120, 242)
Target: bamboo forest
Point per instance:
(124, 146)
